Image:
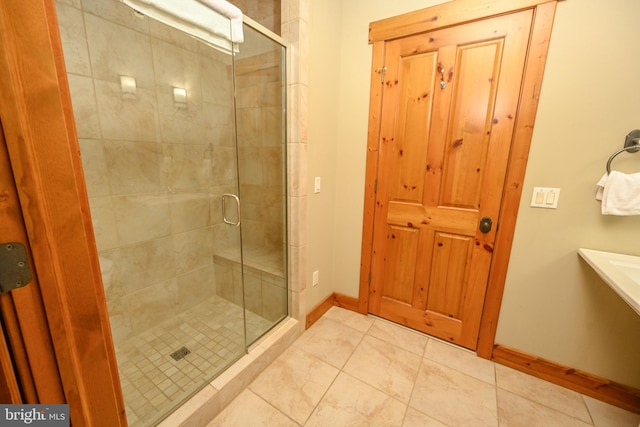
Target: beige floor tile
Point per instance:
(415, 418)
(294, 383)
(330, 341)
(543, 392)
(388, 368)
(605, 415)
(452, 397)
(248, 410)
(516, 411)
(350, 402)
(461, 360)
(350, 318)
(399, 336)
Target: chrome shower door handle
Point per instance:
(224, 209)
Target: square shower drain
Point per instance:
(180, 353)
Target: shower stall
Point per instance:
(183, 149)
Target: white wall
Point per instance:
(554, 306)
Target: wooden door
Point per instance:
(29, 366)
(450, 98)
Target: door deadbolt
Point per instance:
(485, 224)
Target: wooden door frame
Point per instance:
(41, 139)
(441, 16)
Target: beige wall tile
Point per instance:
(215, 76)
(140, 218)
(116, 11)
(172, 36)
(176, 67)
(134, 167)
(126, 119)
(116, 50)
(252, 290)
(104, 222)
(192, 250)
(223, 273)
(274, 298)
(188, 166)
(141, 265)
(74, 39)
(112, 288)
(189, 211)
(195, 286)
(153, 304)
(219, 128)
(85, 110)
(94, 165)
(75, 3)
(119, 319)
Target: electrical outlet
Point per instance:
(316, 184)
(316, 275)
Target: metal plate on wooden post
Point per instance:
(14, 266)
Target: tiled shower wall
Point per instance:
(266, 12)
(154, 171)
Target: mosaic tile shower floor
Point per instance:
(153, 382)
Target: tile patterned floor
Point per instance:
(154, 383)
(353, 370)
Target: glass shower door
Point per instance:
(260, 111)
(155, 117)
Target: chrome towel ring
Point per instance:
(631, 145)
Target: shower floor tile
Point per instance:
(153, 382)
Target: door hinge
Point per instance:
(14, 267)
(382, 71)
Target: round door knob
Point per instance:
(485, 224)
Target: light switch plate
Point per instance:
(545, 197)
(316, 184)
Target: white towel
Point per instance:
(600, 186)
(620, 193)
(217, 22)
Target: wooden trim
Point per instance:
(335, 299)
(318, 311)
(22, 311)
(523, 131)
(9, 390)
(43, 149)
(346, 302)
(582, 382)
(444, 15)
(373, 138)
